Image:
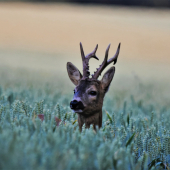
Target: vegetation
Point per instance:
(37, 128)
(39, 131)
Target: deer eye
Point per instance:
(93, 93)
(74, 91)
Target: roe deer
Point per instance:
(89, 92)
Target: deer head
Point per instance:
(89, 92)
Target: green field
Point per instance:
(135, 131)
(36, 41)
(134, 135)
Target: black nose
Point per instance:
(76, 105)
(73, 104)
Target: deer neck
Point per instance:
(95, 120)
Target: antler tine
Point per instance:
(114, 58)
(85, 60)
(106, 54)
(93, 54)
(106, 62)
(103, 65)
(82, 51)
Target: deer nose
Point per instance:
(76, 104)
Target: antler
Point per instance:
(106, 62)
(85, 60)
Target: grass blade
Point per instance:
(130, 140)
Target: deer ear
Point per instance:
(73, 73)
(107, 78)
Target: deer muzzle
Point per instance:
(76, 105)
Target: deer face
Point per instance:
(88, 97)
(89, 92)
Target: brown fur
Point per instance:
(90, 91)
(92, 114)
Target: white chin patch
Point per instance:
(78, 111)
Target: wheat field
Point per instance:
(38, 130)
